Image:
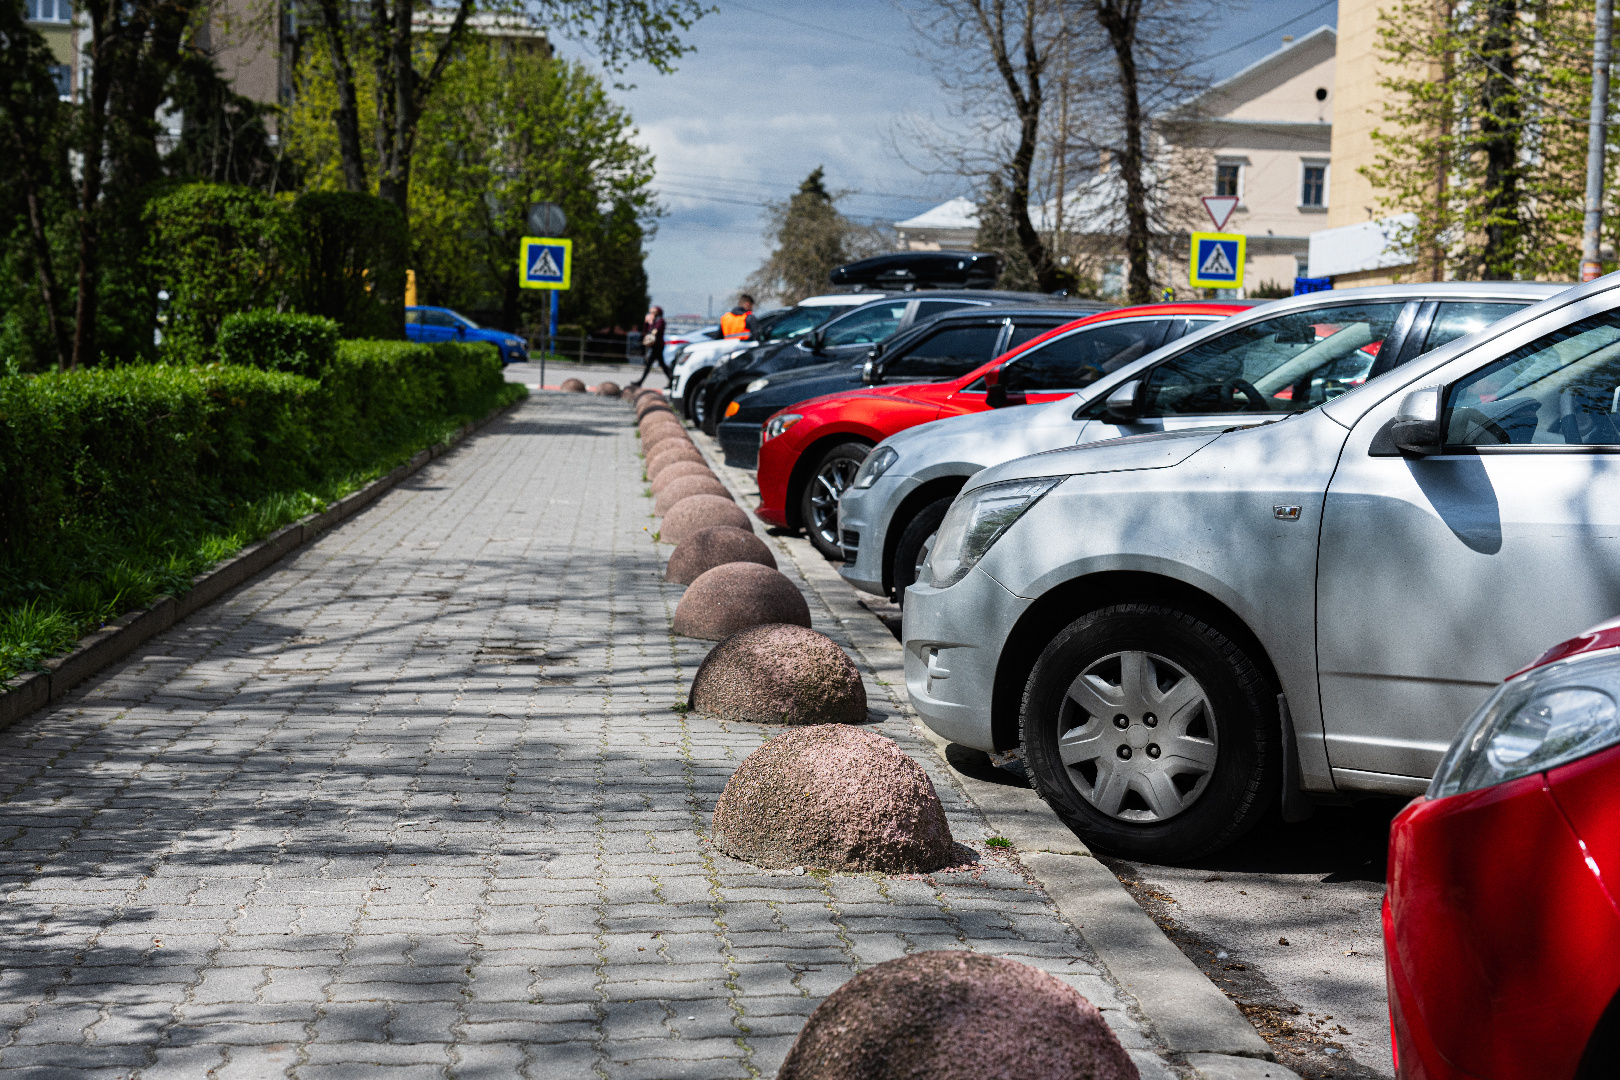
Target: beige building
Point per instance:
(54, 21)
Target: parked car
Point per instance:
(1501, 926)
(901, 496)
(442, 324)
(691, 365)
(848, 338)
(1179, 628)
(813, 446)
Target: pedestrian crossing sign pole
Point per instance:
(1217, 260)
(546, 263)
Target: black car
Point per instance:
(942, 348)
(848, 338)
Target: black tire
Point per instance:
(1176, 801)
(692, 400)
(915, 541)
(716, 398)
(818, 503)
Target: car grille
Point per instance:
(851, 542)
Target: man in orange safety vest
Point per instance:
(739, 321)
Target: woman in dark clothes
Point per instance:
(652, 344)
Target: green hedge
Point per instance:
(119, 484)
(278, 341)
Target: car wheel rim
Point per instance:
(829, 483)
(697, 408)
(1137, 737)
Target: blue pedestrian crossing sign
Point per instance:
(1217, 261)
(545, 263)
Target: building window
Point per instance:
(1313, 185)
(1226, 180)
(50, 10)
(62, 75)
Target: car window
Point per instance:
(1290, 363)
(437, 318)
(927, 309)
(413, 317)
(459, 318)
(952, 351)
(1024, 332)
(800, 320)
(1082, 356)
(1559, 390)
(1458, 318)
(867, 326)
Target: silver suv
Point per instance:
(1180, 629)
(1274, 359)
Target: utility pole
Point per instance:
(1597, 137)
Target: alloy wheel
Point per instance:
(826, 486)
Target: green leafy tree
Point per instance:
(809, 237)
(1483, 135)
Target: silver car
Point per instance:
(1181, 629)
(1277, 358)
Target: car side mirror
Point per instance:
(461, 331)
(872, 371)
(1416, 427)
(815, 342)
(1001, 388)
(1120, 408)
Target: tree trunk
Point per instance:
(1119, 19)
(347, 115)
(1499, 130)
(46, 269)
(93, 148)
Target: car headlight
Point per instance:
(875, 465)
(513, 343)
(756, 385)
(975, 521)
(675, 357)
(778, 424)
(1547, 717)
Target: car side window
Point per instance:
(413, 317)
(867, 327)
(1024, 332)
(1459, 318)
(927, 309)
(437, 318)
(952, 351)
(1083, 356)
(1290, 363)
(1559, 390)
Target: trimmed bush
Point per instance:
(279, 341)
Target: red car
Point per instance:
(1502, 917)
(831, 434)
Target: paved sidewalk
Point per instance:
(415, 803)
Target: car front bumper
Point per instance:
(864, 515)
(740, 441)
(952, 640)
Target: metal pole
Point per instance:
(553, 332)
(1597, 137)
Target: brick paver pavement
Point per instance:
(415, 803)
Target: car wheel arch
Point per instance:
(1062, 604)
(937, 488)
(804, 466)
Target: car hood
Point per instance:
(957, 444)
(1160, 450)
(805, 384)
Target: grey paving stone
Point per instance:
(330, 826)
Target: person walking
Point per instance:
(652, 345)
(739, 321)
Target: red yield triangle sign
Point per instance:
(1219, 208)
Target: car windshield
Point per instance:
(801, 320)
(866, 326)
(468, 323)
(1562, 389)
(1289, 363)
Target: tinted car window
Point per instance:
(866, 327)
(1288, 364)
(438, 318)
(953, 351)
(1559, 390)
(1024, 332)
(801, 320)
(1083, 356)
(927, 309)
(413, 318)
(1458, 318)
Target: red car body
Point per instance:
(1502, 919)
(876, 413)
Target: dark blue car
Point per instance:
(442, 324)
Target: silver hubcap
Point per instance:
(1138, 737)
(829, 483)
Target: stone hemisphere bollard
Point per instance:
(629, 393)
(572, 386)
(649, 404)
(734, 596)
(779, 674)
(662, 435)
(671, 473)
(657, 419)
(669, 455)
(955, 1015)
(834, 797)
(685, 488)
(702, 512)
(715, 546)
(608, 388)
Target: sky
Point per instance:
(777, 87)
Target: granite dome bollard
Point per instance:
(735, 596)
(608, 389)
(668, 454)
(779, 674)
(702, 512)
(715, 546)
(662, 435)
(653, 403)
(671, 473)
(686, 487)
(572, 386)
(950, 1014)
(833, 797)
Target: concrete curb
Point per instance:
(95, 651)
(1191, 1014)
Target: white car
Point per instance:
(692, 363)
